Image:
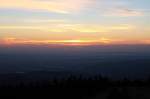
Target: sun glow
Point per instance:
(72, 42)
(12, 41)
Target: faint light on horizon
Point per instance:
(105, 41)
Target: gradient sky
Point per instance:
(76, 21)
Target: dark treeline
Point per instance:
(73, 87)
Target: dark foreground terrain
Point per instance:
(73, 87)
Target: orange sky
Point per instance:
(77, 22)
(102, 41)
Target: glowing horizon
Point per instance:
(73, 42)
(77, 22)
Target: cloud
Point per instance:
(57, 6)
(123, 12)
(75, 28)
(44, 21)
(78, 28)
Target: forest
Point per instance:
(76, 87)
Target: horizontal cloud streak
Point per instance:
(58, 6)
(14, 41)
(123, 12)
(73, 27)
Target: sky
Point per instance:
(74, 22)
